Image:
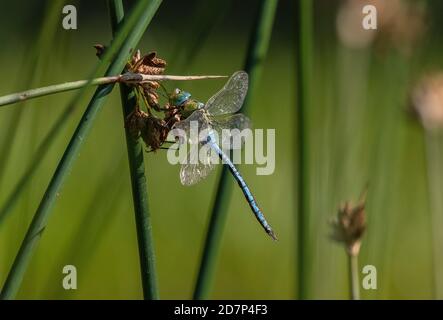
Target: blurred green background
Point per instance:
(360, 133)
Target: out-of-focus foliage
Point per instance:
(360, 133)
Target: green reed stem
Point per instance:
(42, 149)
(140, 199)
(136, 25)
(258, 47)
(68, 86)
(304, 70)
(201, 20)
(57, 88)
(98, 216)
(138, 180)
(38, 55)
(354, 282)
(434, 168)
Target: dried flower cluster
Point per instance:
(152, 129)
(400, 24)
(149, 64)
(427, 101)
(154, 124)
(349, 226)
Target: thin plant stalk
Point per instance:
(42, 149)
(434, 168)
(37, 56)
(52, 89)
(204, 13)
(304, 70)
(143, 12)
(138, 180)
(354, 282)
(98, 217)
(257, 50)
(140, 200)
(68, 86)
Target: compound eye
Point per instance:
(177, 91)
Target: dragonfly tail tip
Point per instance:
(272, 235)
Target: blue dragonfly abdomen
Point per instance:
(242, 184)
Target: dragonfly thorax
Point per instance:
(190, 106)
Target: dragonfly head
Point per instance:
(179, 97)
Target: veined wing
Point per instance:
(189, 129)
(199, 163)
(231, 97)
(231, 130)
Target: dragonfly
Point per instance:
(214, 117)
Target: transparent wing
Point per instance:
(232, 130)
(199, 163)
(231, 97)
(188, 130)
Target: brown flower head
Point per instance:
(136, 122)
(100, 50)
(349, 226)
(154, 133)
(149, 64)
(427, 101)
(151, 129)
(150, 93)
(400, 23)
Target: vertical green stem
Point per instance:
(354, 282)
(258, 47)
(434, 169)
(304, 72)
(138, 181)
(141, 17)
(203, 13)
(140, 199)
(12, 198)
(39, 54)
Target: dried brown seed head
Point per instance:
(151, 129)
(400, 24)
(154, 133)
(150, 85)
(349, 226)
(149, 64)
(144, 69)
(427, 101)
(349, 25)
(136, 122)
(152, 98)
(152, 60)
(100, 50)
